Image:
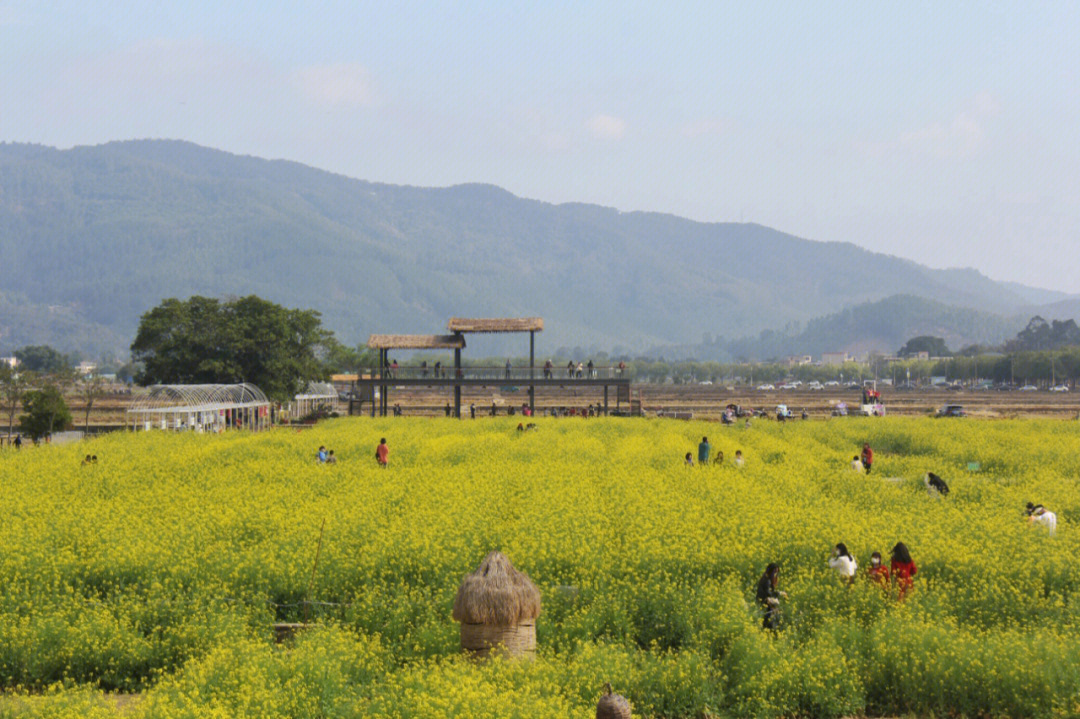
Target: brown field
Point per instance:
(703, 401)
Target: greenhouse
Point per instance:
(315, 397)
(200, 408)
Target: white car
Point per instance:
(788, 385)
(815, 386)
(765, 387)
(1029, 388)
(706, 383)
(1059, 388)
(832, 383)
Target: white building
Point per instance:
(86, 368)
(9, 361)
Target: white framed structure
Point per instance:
(314, 396)
(200, 408)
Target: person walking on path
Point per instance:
(382, 453)
(509, 367)
(703, 451)
(902, 570)
(768, 596)
(867, 457)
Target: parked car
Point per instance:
(1029, 388)
(765, 387)
(788, 385)
(952, 410)
(1059, 388)
(706, 383)
(832, 383)
(815, 386)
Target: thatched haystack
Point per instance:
(612, 706)
(497, 606)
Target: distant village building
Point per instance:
(799, 360)
(834, 358)
(11, 362)
(86, 368)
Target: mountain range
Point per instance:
(91, 237)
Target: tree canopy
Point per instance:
(934, 346)
(46, 412)
(203, 340)
(41, 358)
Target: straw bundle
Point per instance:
(612, 706)
(497, 606)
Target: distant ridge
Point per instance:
(101, 234)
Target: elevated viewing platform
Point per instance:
(457, 376)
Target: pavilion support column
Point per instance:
(532, 373)
(457, 382)
(605, 401)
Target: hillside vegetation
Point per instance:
(93, 236)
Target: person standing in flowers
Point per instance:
(738, 458)
(867, 457)
(703, 450)
(719, 461)
(843, 563)
(878, 573)
(1038, 514)
(689, 460)
(768, 596)
(902, 570)
(856, 464)
(382, 453)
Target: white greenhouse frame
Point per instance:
(200, 408)
(315, 395)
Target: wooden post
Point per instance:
(532, 373)
(605, 400)
(457, 382)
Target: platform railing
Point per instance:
(514, 374)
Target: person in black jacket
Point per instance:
(768, 596)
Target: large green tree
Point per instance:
(206, 341)
(46, 412)
(935, 346)
(41, 358)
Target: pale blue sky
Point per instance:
(943, 132)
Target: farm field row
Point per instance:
(160, 570)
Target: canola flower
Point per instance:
(160, 570)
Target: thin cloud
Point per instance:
(342, 84)
(606, 127)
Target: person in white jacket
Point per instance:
(844, 564)
(1038, 514)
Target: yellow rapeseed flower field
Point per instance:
(160, 570)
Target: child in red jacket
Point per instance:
(902, 569)
(878, 572)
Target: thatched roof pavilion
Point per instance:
(499, 324)
(416, 342)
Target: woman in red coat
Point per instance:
(902, 569)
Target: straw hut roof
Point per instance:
(507, 324)
(496, 594)
(416, 342)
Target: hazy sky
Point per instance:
(947, 132)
